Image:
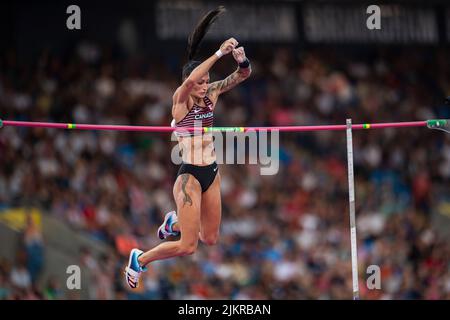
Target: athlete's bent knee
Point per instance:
(188, 249)
(210, 240)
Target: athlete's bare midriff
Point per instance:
(198, 149)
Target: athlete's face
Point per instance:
(201, 86)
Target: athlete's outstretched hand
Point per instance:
(239, 54)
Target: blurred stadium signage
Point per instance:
(17, 218)
(175, 19)
(347, 24)
(310, 22)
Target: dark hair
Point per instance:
(196, 37)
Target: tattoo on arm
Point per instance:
(230, 82)
(187, 197)
(214, 86)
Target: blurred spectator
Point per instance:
(52, 289)
(20, 277)
(34, 248)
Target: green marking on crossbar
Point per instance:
(228, 129)
(437, 123)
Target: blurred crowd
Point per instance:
(284, 236)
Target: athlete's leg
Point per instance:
(187, 193)
(211, 213)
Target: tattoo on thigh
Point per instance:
(187, 197)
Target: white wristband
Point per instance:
(219, 53)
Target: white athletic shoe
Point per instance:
(165, 229)
(133, 269)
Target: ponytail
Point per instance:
(201, 29)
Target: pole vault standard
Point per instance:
(440, 124)
(351, 200)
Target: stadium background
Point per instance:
(86, 198)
